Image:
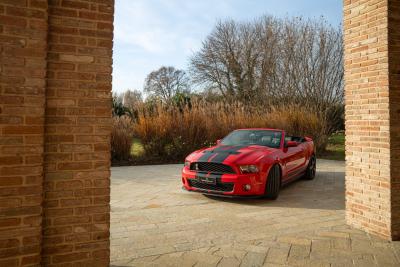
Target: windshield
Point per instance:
(267, 138)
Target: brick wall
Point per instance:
(371, 123)
(54, 210)
(23, 33)
(78, 121)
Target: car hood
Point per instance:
(239, 154)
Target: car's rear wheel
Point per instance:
(311, 169)
(273, 184)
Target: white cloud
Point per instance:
(153, 41)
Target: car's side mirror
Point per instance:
(218, 141)
(291, 144)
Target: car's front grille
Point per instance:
(221, 187)
(211, 167)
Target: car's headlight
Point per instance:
(187, 163)
(248, 169)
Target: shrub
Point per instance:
(170, 133)
(121, 138)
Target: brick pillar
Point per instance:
(23, 33)
(54, 161)
(394, 102)
(371, 37)
(77, 130)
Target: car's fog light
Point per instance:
(247, 187)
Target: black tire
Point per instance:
(273, 184)
(311, 169)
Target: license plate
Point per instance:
(206, 180)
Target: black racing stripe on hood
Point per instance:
(206, 156)
(221, 153)
(210, 153)
(228, 149)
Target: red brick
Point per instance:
(41, 4)
(58, 249)
(20, 170)
(33, 160)
(10, 120)
(12, 21)
(71, 257)
(61, 185)
(26, 12)
(31, 260)
(9, 222)
(75, 4)
(13, 262)
(10, 181)
(76, 202)
(64, 12)
(20, 130)
(71, 220)
(10, 160)
(105, 253)
(33, 221)
(59, 212)
(15, 100)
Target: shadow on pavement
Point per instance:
(326, 192)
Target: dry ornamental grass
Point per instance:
(170, 133)
(121, 137)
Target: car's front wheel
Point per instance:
(273, 184)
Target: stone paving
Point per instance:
(155, 223)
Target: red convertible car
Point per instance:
(250, 162)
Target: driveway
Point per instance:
(155, 223)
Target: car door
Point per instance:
(288, 162)
(291, 159)
(294, 158)
(300, 158)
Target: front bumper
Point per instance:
(225, 185)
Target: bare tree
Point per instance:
(310, 70)
(272, 61)
(132, 99)
(166, 82)
(228, 60)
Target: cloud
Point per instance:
(136, 25)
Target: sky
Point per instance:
(149, 34)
